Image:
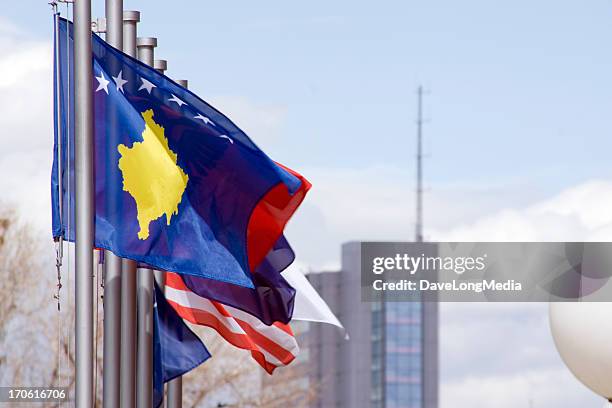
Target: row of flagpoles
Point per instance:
(128, 292)
(241, 295)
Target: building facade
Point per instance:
(391, 357)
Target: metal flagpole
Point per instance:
(130, 21)
(146, 47)
(84, 206)
(144, 370)
(128, 276)
(175, 387)
(175, 393)
(419, 188)
(160, 65)
(112, 263)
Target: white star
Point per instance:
(176, 100)
(102, 83)
(120, 81)
(227, 137)
(148, 86)
(204, 119)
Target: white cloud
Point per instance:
(579, 213)
(502, 355)
(498, 355)
(26, 124)
(24, 61)
(377, 203)
(589, 203)
(536, 388)
(26, 96)
(505, 351)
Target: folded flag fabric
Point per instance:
(176, 349)
(271, 346)
(178, 186)
(272, 298)
(309, 305)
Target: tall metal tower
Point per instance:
(419, 169)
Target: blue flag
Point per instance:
(178, 186)
(270, 301)
(176, 349)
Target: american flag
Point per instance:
(271, 346)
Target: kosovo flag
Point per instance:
(178, 186)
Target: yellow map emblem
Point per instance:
(151, 175)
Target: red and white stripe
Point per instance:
(271, 346)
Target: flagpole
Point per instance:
(84, 205)
(128, 276)
(144, 369)
(160, 65)
(112, 263)
(175, 387)
(174, 393)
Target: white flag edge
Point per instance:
(309, 305)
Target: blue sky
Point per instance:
(519, 90)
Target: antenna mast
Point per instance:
(419, 169)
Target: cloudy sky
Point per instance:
(517, 137)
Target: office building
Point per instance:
(391, 357)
